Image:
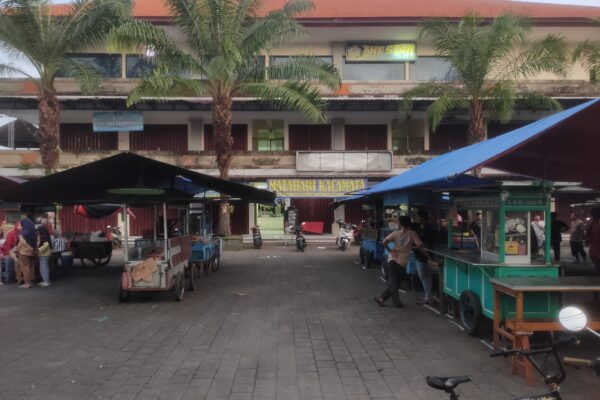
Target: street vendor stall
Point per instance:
(160, 263)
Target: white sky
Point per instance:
(29, 69)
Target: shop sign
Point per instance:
(478, 203)
(381, 52)
(118, 121)
(315, 187)
(526, 202)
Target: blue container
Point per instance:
(66, 259)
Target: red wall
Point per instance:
(310, 137)
(160, 137)
(81, 137)
(366, 137)
(239, 134)
(315, 209)
(71, 222)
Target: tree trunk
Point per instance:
(49, 116)
(477, 123)
(222, 120)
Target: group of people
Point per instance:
(409, 243)
(25, 245)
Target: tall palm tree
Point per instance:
(588, 53)
(226, 42)
(44, 35)
(486, 60)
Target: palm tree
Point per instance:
(43, 34)
(486, 60)
(227, 41)
(588, 53)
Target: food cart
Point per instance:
(505, 251)
(206, 247)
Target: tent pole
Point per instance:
(165, 231)
(126, 234)
(155, 215)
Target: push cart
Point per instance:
(92, 251)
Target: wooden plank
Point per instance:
(550, 284)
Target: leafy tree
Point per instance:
(487, 60)
(45, 34)
(225, 44)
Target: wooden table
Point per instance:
(518, 330)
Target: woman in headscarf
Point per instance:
(27, 250)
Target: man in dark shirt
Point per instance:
(428, 237)
(556, 228)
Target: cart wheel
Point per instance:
(216, 263)
(192, 277)
(180, 287)
(99, 262)
(469, 308)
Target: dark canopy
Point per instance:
(96, 183)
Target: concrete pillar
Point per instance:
(338, 51)
(337, 132)
(390, 133)
(250, 134)
(196, 134)
(251, 215)
(286, 136)
(123, 141)
(426, 134)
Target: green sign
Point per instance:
(381, 52)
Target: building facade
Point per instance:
(365, 139)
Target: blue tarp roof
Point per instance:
(451, 165)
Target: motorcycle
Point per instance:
(345, 235)
(256, 237)
(572, 319)
(114, 235)
(300, 239)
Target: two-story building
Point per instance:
(376, 47)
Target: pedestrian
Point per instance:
(577, 232)
(475, 228)
(404, 240)
(538, 226)
(44, 254)
(26, 251)
(593, 238)
(428, 237)
(557, 227)
(8, 249)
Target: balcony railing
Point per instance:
(344, 161)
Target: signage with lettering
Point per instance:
(381, 52)
(315, 187)
(118, 121)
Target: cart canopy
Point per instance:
(128, 178)
(561, 147)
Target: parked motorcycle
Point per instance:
(113, 234)
(256, 237)
(300, 239)
(345, 236)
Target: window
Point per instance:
(373, 71)
(137, 66)
(278, 60)
(107, 65)
(431, 68)
(268, 135)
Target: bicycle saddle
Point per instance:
(446, 383)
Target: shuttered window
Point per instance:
(239, 134)
(82, 138)
(160, 138)
(310, 137)
(366, 137)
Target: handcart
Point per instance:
(92, 250)
(206, 247)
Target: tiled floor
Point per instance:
(271, 324)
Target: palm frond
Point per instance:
(500, 100)
(537, 101)
(160, 84)
(589, 54)
(88, 77)
(306, 68)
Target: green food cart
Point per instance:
(505, 250)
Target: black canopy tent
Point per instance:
(127, 178)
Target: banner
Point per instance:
(315, 187)
(118, 121)
(381, 52)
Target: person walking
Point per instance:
(44, 254)
(577, 231)
(8, 249)
(26, 251)
(428, 237)
(404, 239)
(538, 227)
(593, 238)
(557, 227)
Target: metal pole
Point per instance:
(126, 234)
(154, 219)
(165, 231)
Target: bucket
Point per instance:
(66, 259)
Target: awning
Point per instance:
(124, 178)
(561, 147)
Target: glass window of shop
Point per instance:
(373, 71)
(137, 66)
(428, 68)
(107, 65)
(279, 60)
(268, 135)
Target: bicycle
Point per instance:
(449, 384)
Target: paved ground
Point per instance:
(271, 324)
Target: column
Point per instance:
(123, 141)
(196, 134)
(337, 131)
(425, 135)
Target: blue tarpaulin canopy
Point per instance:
(562, 147)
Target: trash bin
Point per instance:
(66, 259)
